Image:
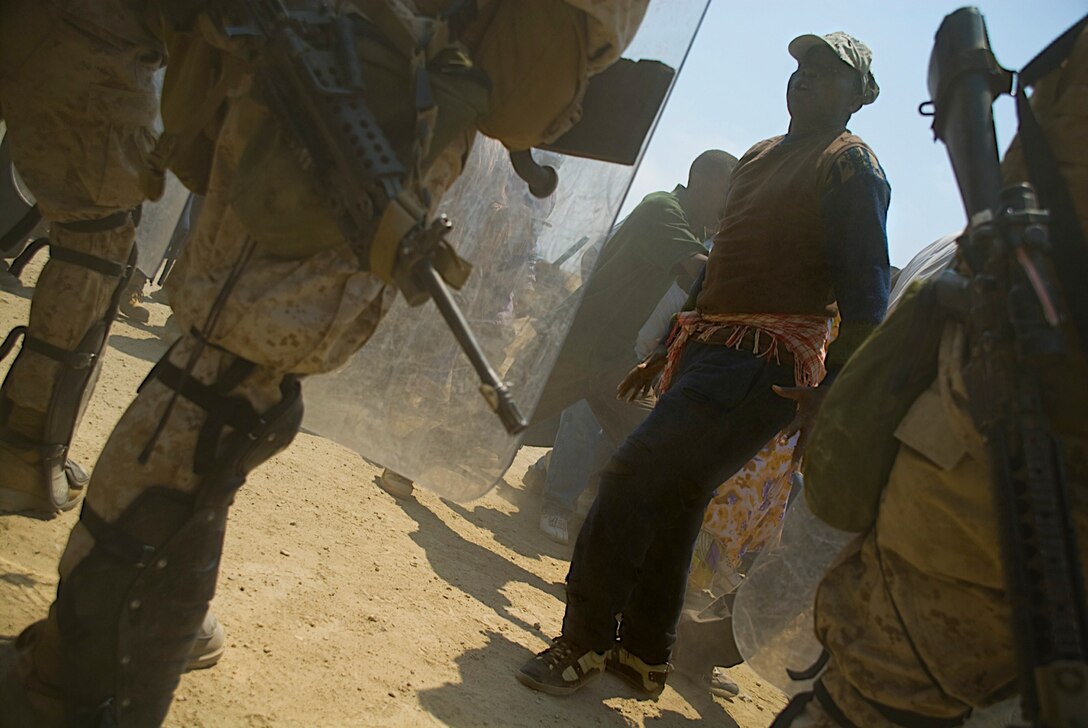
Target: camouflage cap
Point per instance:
(852, 51)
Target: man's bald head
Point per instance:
(713, 163)
(708, 186)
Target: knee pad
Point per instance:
(131, 609)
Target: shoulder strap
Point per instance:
(1053, 55)
(1070, 251)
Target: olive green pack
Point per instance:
(853, 444)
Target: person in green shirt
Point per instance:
(657, 245)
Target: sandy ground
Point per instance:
(344, 606)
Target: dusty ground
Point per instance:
(344, 606)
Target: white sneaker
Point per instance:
(722, 685)
(554, 526)
(395, 484)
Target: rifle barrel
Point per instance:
(492, 387)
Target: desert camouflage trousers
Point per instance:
(913, 614)
(78, 96)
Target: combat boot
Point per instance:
(132, 299)
(28, 484)
(29, 694)
(21, 489)
(209, 645)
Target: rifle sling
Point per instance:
(1070, 252)
(1053, 55)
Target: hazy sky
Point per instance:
(732, 93)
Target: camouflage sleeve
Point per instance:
(612, 25)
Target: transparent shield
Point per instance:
(15, 199)
(773, 621)
(157, 223)
(772, 615)
(409, 400)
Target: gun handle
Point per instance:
(492, 387)
(542, 180)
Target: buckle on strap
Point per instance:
(70, 359)
(114, 540)
(223, 410)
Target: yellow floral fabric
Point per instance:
(744, 514)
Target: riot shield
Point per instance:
(409, 399)
(772, 614)
(18, 218)
(930, 261)
(157, 223)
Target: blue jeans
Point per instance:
(634, 550)
(581, 449)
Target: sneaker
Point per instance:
(395, 484)
(209, 646)
(554, 525)
(646, 678)
(562, 668)
(721, 684)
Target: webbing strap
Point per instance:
(115, 541)
(895, 716)
(21, 260)
(222, 409)
(19, 232)
(86, 260)
(1053, 55)
(812, 670)
(793, 710)
(1068, 247)
(9, 341)
(70, 359)
(823, 697)
(102, 224)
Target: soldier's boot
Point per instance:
(141, 565)
(209, 645)
(45, 392)
(132, 300)
(31, 692)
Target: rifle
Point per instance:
(1013, 304)
(310, 76)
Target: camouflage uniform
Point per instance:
(140, 566)
(914, 614)
(79, 100)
